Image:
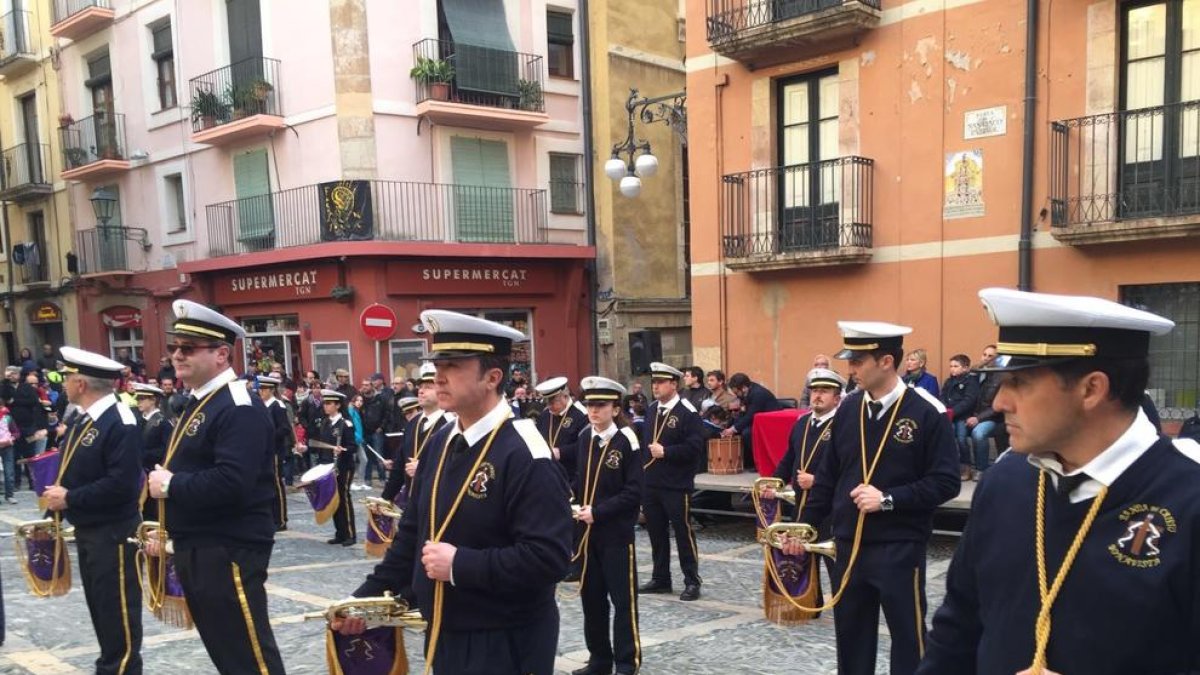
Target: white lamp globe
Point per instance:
(646, 166)
(631, 186)
(614, 169)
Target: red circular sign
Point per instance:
(378, 322)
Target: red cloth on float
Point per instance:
(769, 435)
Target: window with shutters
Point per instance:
(1174, 357)
(565, 187)
(255, 211)
(483, 194)
(808, 185)
(560, 44)
(176, 205)
(164, 64)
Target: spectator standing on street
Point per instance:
(755, 399)
(354, 412)
(8, 439)
(12, 378)
(166, 371)
(915, 374)
(374, 417)
(960, 395)
(26, 361)
(47, 361)
(30, 415)
(693, 387)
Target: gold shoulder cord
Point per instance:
(436, 532)
(658, 429)
(806, 462)
(590, 484)
(858, 527)
(420, 443)
(552, 433)
(1048, 596)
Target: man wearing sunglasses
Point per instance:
(217, 486)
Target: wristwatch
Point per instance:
(886, 503)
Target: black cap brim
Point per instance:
(1007, 363)
(448, 355)
(847, 354)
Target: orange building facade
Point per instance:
(858, 160)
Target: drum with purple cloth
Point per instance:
(320, 484)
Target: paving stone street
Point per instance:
(723, 632)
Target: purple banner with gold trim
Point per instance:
(377, 651)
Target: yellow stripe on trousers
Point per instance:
(241, 593)
(124, 609)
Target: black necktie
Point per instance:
(1067, 484)
(459, 444)
(876, 408)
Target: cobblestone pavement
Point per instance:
(723, 632)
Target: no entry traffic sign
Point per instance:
(378, 322)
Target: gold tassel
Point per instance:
(778, 610)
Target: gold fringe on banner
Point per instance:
(776, 607)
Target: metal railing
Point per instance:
(65, 9)
(109, 248)
(33, 272)
(24, 164)
(1123, 165)
(248, 87)
(91, 139)
(567, 197)
(495, 78)
(727, 18)
(807, 207)
(17, 38)
(399, 211)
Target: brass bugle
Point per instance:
(783, 492)
(142, 538)
(777, 534)
(383, 507)
(575, 509)
(386, 610)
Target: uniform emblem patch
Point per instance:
(567, 421)
(1140, 537)
(90, 437)
(672, 422)
(826, 434)
(194, 426)
(613, 459)
(906, 430)
(482, 482)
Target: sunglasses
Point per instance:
(188, 350)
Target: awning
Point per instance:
(484, 59)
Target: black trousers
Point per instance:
(672, 508)
(888, 575)
(343, 519)
(279, 504)
(114, 598)
(224, 590)
(611, 577)
(521, 650)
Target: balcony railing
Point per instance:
(732, 25)
(110, 248)
(18, 37)
(92, 139)
(24, 169)
(1126, 165)
(482, 76)
(806, 208)
(65, 9)
(398, 211)
(243, 89)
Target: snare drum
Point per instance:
(725, 455)
(320, 484)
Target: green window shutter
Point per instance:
(564, 182)
(485, 59)
(559, 29)
(256, 217)
(483, 199)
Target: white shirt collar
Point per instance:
(97, 409)
(152, 413)
(476, 432)
(888, 398)
(1107, 467)
(429, 420)
(566, 408)
(606, 435)
(669, 404)
(335, 418)
(223, 378)
(821, 419)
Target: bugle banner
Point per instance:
(161, 590)
(380, 649)
(788, 580)
(44, 471)
(43, 556)
(382, 518)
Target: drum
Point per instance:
(320, 484)
(725, 455)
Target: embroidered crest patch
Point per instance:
(826, 434)
(194, 426)
(905, 430)
(1140, 537)
(567, 421)
(90, 437)
(672, 422)
(482, 481)
(613, 459)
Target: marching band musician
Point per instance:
(487, 533)
(337, 430)
(216, 487)
(156, 432)
(418, 431)
(561, 423)
(609, 481)
(674, 436)
(281, 441)
(1082, 554)
(890, 463)
(97, 491)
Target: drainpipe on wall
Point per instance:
(10, 309)
(1024, 244)
(589, 175)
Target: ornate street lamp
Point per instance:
(103, 201)
(632, 159)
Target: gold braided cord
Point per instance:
(805, 463)
(858, 526)
(552, 436)
(590, 486)
(419, 443)
(658, 429)
(1048, 596)
(435, 532)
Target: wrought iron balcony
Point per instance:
(807, 215)
(1126, 175)
(94, 146)
(237, 101)
(478, 86)
(77, 19)
(25, 174)
(111, 249)
(18, 44)
(754, 30)
(387, 211)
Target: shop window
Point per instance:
(273, 339)
(126, 338)
(406, 357)
(1174, 357)
(329, 356)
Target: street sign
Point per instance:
(378, 322)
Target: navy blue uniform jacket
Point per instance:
(568, 427)
(682, 437)
(614, 468)
(103, 477)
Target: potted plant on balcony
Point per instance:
(65, 120)
(529, 94)
(207, 108)
(76, 157)
(436, 74)
(239, 100)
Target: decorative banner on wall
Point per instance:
(346, 212)
(45, 312)
(122, 317)
(964, 185)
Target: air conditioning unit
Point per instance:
(604, 331)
